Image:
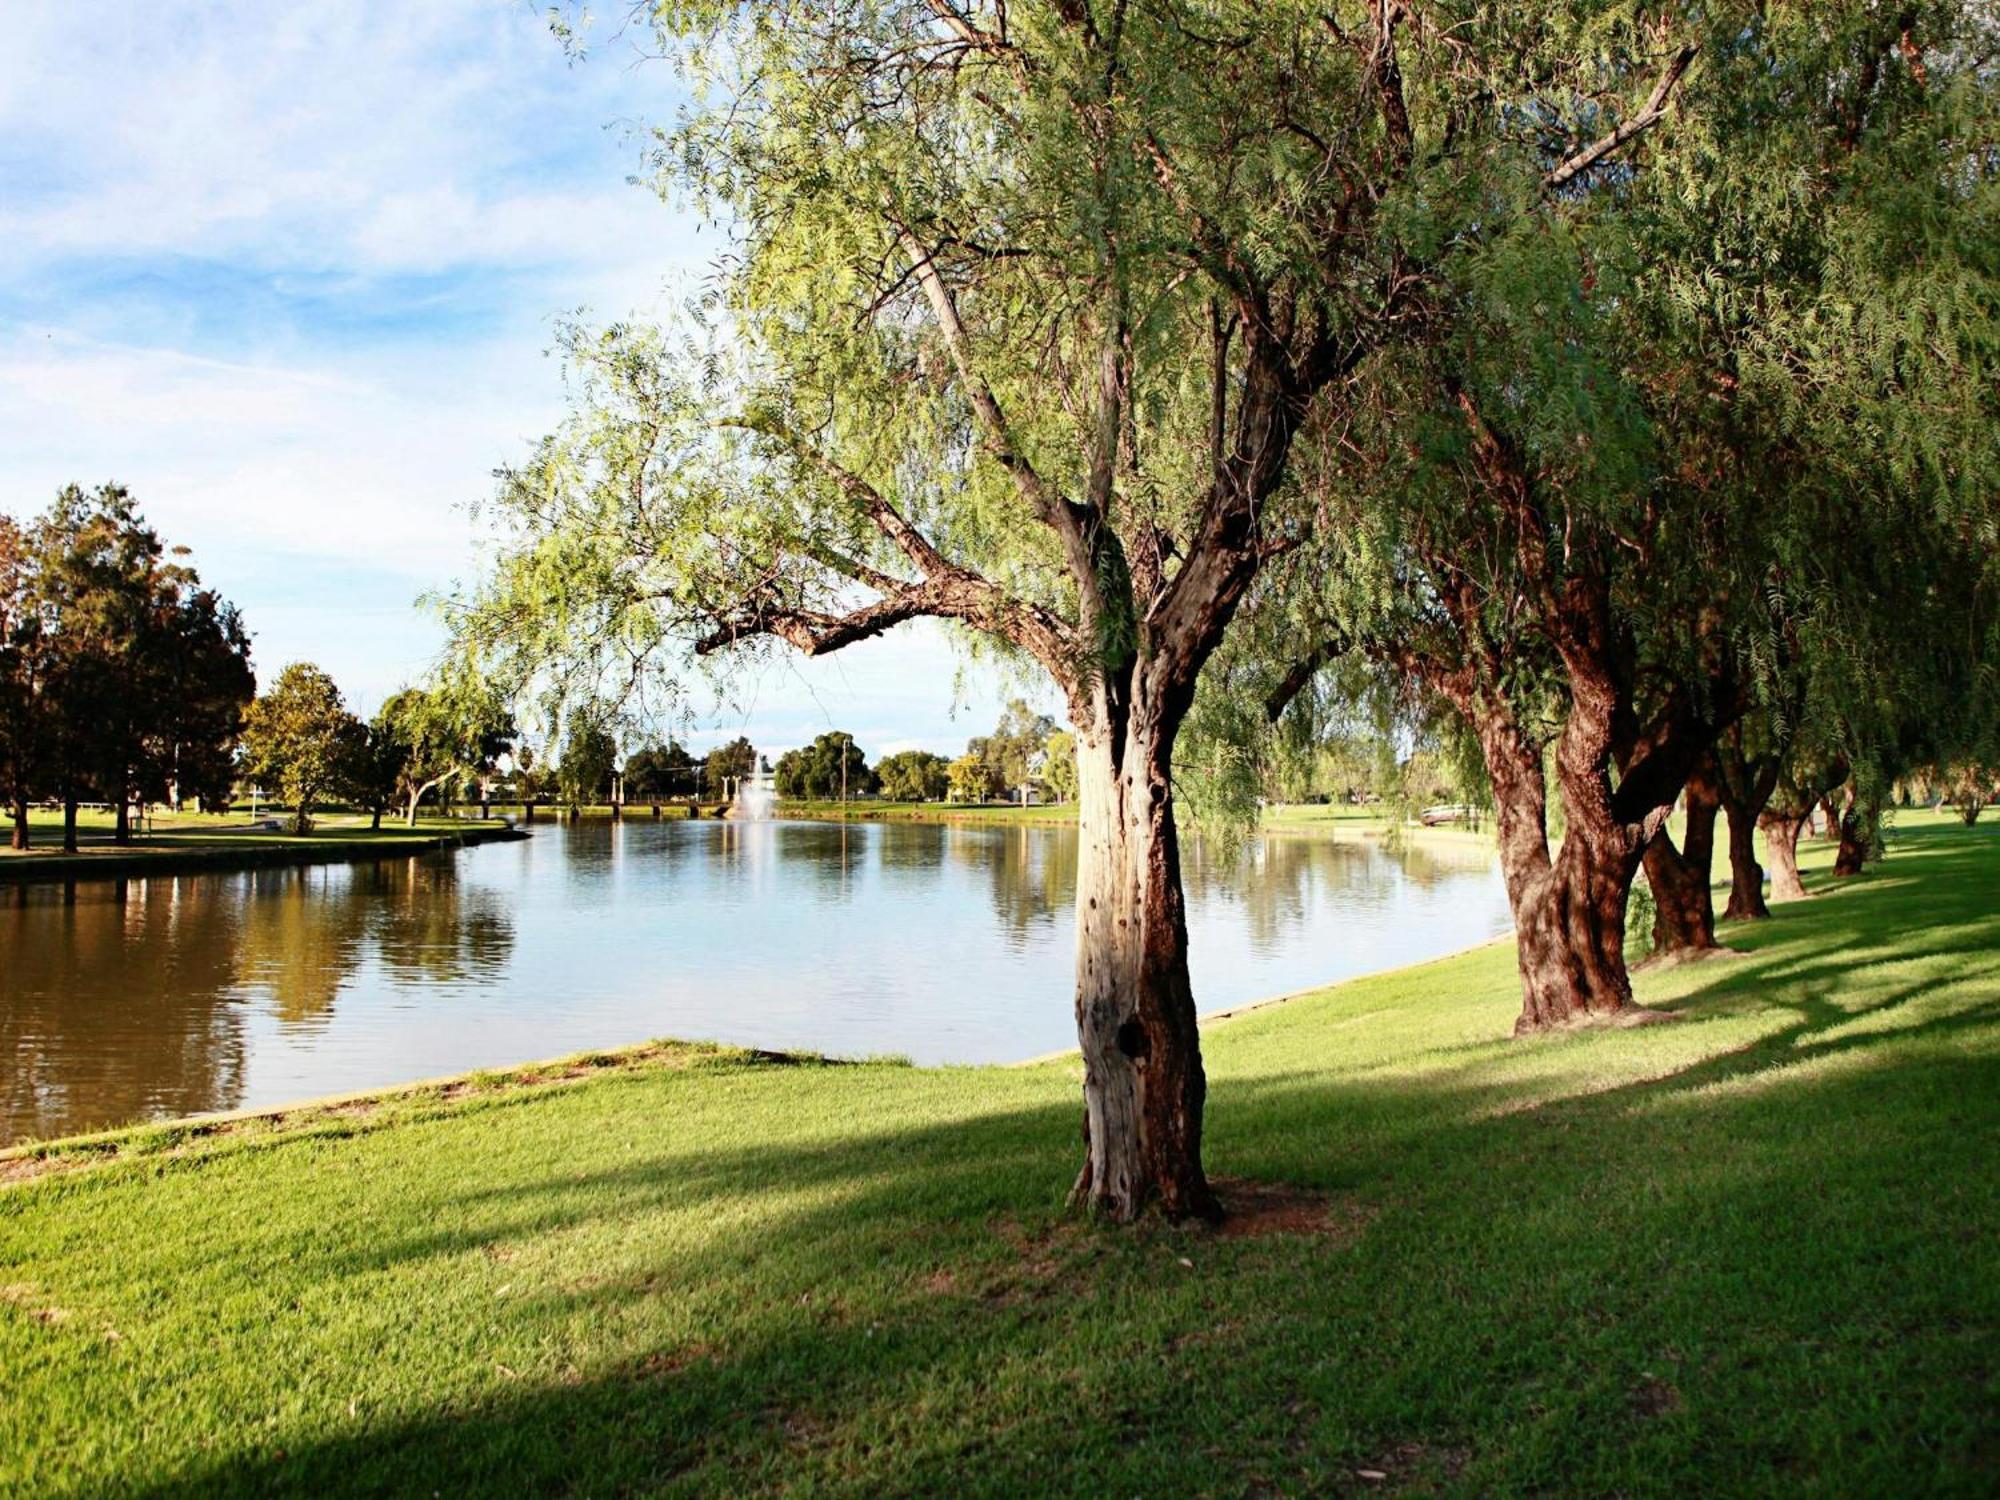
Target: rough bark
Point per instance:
(1681, 877)
(1857, 834)
(1781, 837)
(1569, 911)
(1746, 876)
(1135, 1014)
(1746, 785)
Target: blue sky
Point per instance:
(288, 272)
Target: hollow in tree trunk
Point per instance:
(1681, 878)
(1143, 1082)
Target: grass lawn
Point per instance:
(1757, 1251)
(218, 840)
(872, 810)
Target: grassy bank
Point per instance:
(1060, 814)
(196, 842)
(1754, 1251)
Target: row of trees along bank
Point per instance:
(122, 679)
(301, 742)
(1025, 750)
(1617, 380)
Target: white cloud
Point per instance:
(287, 270)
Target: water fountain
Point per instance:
(756, 795)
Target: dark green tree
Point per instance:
(727, 763)
(815, 771)
(912, 776)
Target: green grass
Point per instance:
(1757, 1251)
(195, 841)
(1048, 813)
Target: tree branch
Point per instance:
(1649, 115)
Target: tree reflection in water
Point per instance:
(116, 1004)
(127, 1000)
(946, 943)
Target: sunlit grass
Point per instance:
(1750, 1250)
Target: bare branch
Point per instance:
(1649, 115)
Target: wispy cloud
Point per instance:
(288, 270)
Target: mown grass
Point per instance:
(1756, 1251)
(872, 810)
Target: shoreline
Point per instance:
(221, 857)
(18, 1159)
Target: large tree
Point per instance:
(128, 679)
(1638, 420)
(298, 739)
(1031, 311)
(912, 776)
(449, 732)
(830, 766)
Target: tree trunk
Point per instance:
(1135, 1015)
(1968, 814)
(1682, 878)
(1746, 876)
(1857, 828)
(20, 820)
(1569, 912)
(69, 822)
(1781, 837)
(1571, 929)
(410, 812)
(375, 820)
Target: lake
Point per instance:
(145, 999)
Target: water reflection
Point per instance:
(951, 943)
(113, 1004)
(134, 999)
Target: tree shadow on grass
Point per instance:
(1588, 1294)
(1487, 1321)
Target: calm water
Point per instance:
(143, 999)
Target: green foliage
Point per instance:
(589, 759)
(735, 760)
(831, 766)
(298, 740)
(1014, 751)
(913, 776)
(120, 675)
(658, 771)
(1059, 765)
(970, 778)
